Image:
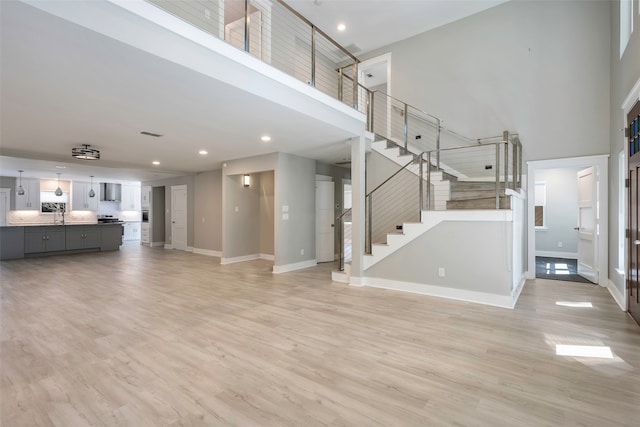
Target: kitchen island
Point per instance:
(22, 241)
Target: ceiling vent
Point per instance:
(156, 135)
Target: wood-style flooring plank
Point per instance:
(152, 337)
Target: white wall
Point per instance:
(540, 68)
(561, 213)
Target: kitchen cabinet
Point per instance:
(145, 233)
(82, 237)
(132, 231)
(146, 197)
(131, 198)
(80, 200)
(110, 237)
(30, 200)
(11, 242)
(44, 239)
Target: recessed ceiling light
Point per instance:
(342, 27)
(203, 152)
(266, 138)
(155, 162)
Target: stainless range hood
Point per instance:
(110, 192)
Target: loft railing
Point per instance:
(278, 35)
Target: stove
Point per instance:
(104, 219)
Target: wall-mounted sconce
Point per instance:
(246, 180)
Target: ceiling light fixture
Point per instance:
(203, 152)
(58, 191)
(91, 192)
(155, 162)
(341, 27)
(155, 135)
(266, 138)
(85, 153)
(20, 191)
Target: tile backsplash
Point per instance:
(35, 217)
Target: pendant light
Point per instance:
(20, 191)
(58, 191)
(91, 192)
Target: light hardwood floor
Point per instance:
(152, 337)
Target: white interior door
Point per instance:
(588, 224)
(4, 205)
(179, 217)
(324, 221)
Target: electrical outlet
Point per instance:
(301, 251)
(560, 244)
(441, 271)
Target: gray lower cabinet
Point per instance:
(110, 237)
(82, 237)
(44, 239)
(11, 242)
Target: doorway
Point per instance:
(324, 219)
(568, 245)
(633, 240)
(179, 217)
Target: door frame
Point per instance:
(601, 164)
(627, 105)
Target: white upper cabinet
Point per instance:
(146, 197)
(80, 200)
(131, 195)
(30, 200)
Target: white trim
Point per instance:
(554, 254)
(168, 246)
(617, 296)
(156, 244)
(207, 252)
(236, 259)
(357, 281)
(267, 257)
(324, 178)
(295, 266)
(515, 294)
(601, 162)
(631, 99)
(189, 249)
(504, 301)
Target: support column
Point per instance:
(358, 150)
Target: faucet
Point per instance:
(59, 210)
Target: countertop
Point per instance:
(57, 225)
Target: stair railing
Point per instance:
(345, 238)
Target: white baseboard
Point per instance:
(503, 301)
(267, 257)
(515, 294)
(358, 281)
(236, 259)
(617, 296)
(554, 254)
(168, 246)
(295, 266)
(156, 244)
(207, 252)
(189, 249)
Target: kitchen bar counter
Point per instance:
(48, 239)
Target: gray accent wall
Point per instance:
(540, 68)
(625, 72)
(561, 211)
(208, 211)
(476, 256)
(241, 217)
(296, 188)
(159, 218)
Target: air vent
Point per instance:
(156, 135)
(353, 48)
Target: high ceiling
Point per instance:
(64, 85)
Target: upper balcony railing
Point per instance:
(275, 33)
